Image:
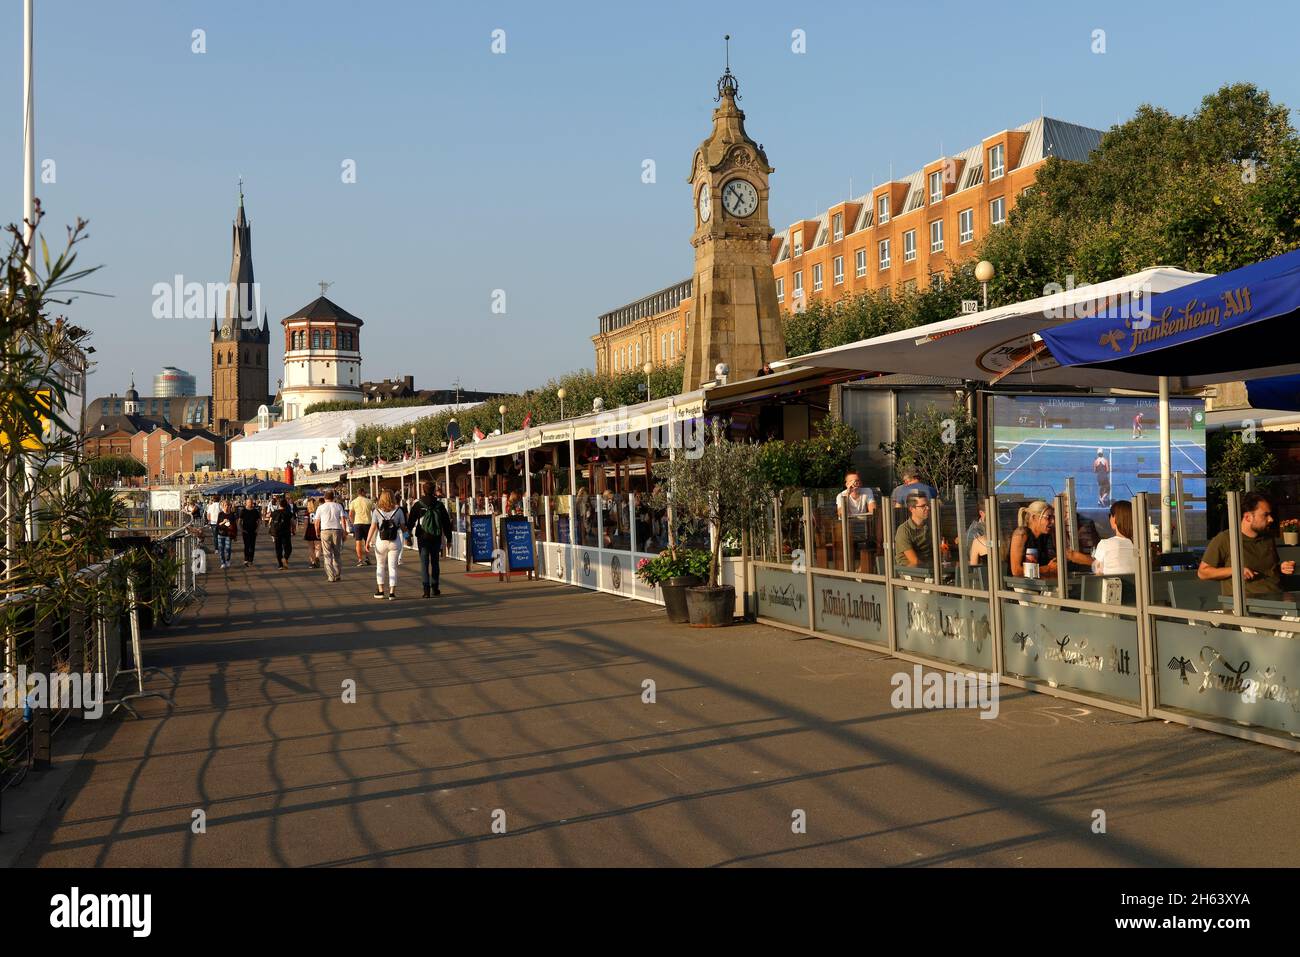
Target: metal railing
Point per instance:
(86, 643)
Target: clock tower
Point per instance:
(737, 320)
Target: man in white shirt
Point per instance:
(858, 504)
(331, 528)
(212, 513)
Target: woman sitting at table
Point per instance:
(1037, 529)
(1117, 555)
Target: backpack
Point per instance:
(388, 527)
(430, 525)
(280, 520)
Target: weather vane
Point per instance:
(727, 85)
(323, 286)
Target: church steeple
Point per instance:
(241, 296)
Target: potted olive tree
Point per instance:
(720, 485)
(674, 570)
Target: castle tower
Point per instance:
(240, 372)
(322, 357)
(737, 320)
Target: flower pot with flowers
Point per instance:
(674, 570)
(719, 483)
(1291, 531)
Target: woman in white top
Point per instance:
(388, 520)
(1117, 555)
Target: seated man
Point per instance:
(912, 537)
(1262, 570)
(858, 505)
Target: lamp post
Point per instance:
(502, 410)
(451, 428)
(560, 395)
(647, 368)
(415, 453)
(984, 272)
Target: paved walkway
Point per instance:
(526, 698)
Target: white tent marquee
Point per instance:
(319, 436)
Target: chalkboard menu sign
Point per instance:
(519, 543)
(480, 538)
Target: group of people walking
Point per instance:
(382, 529)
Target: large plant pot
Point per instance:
(1291, 538)
(711, 607)
(674, 590)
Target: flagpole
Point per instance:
(29, 216)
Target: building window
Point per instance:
(780, 289)
(838, 270)
(817, 277)
(998, 211)
(837, 226)
(884, 254)
(638, 352)
(798, 243)
(909, 285)
(936, 280)
(327, 340)
(315, 340)
(997, 161)
(966, 226)
(798, 283)
(936, 186)
(882, 209)
(936, 236)
(860, 262)
(909, 245)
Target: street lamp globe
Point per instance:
(984, 270)
(559, 394)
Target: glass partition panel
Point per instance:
(828, 540)
(651, 526)
(791, 537)
(561, 519)
(616, 525)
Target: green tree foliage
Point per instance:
(104, 470)
(1230, 457)
(817, 462)
(339, 406)
(940, 444)
(580, 389)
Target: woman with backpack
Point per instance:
(282, 529)
(387, 528)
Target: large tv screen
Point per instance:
(1109, 444)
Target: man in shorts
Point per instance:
(359, 510)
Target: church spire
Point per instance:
(240, 305)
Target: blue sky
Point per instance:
(522, 171)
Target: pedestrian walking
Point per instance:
(429, 524)
(311, 536)
(282, 528)
(250, 522)
(226, 528)
(385, 539)
(359, 518)
(213, 515)
(331, 527)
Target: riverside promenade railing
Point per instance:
(61, 659)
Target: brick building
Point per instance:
(899, 234)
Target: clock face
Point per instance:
(739, 198)
(706, 203)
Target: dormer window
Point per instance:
(837, 226)
(997, 161)
(882, 209)
(936, 187)
(798, 243)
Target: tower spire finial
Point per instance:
(241, 191)
(727, 85)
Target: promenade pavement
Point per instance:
(521, 704)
